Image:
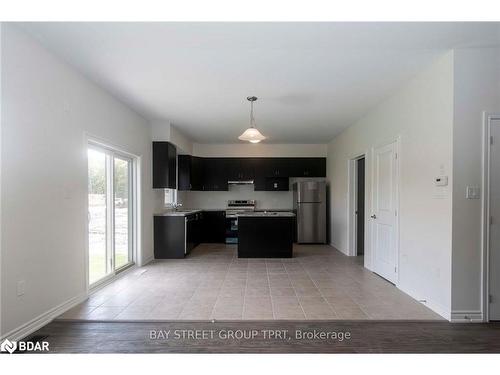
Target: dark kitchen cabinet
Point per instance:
(190, 172)
(169, 239)
(212, 174)
(241, 169)
(265, 237)
(277, 167)
(308, 167)
(215, 174)
(214, 227)
(259, 183)
(194, 227)
(277, 184)
(164, 165)
(176, 236)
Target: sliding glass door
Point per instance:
(111, 212)
(122, 212)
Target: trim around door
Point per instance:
(485, 221)
(134, 236)
(352, 182)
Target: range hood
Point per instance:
(240, 182)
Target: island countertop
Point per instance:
(267, 214)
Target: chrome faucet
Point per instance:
(175, 206)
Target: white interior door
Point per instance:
(494, 243)
(384, 216)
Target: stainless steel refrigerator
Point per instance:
(309, 204)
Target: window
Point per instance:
(110, 212)
(170, 197)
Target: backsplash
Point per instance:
(218, 199)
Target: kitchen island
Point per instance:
(266, 235)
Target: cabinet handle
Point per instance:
(373, 216)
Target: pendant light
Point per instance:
(252, 135)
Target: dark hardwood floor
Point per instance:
(365, 337)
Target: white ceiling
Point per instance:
(312, 79)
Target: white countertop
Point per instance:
(267, 214)
(177, 212)
(256, 213)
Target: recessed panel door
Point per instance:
(494, 240)
(384, 219)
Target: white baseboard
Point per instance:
(343, 251)
(436, 307)
(146, 261)
(28, 328)
(461, 316)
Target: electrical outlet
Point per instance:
(21, 287)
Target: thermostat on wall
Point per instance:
(441, 181)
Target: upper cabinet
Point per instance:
(213, 174)
(307, 167)
(164, 166)
(277, 167)
(240, 169)
(190, 172)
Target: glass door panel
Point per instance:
(122, 212)
(110, 212)
(98, 217)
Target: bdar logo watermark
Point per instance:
(8, 346)
(24, 346)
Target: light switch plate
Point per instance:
(473, 192)
(441, 181)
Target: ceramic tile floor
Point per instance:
(319, 283)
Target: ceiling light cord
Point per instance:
(252, 118)
(252, 134)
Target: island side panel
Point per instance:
(169, 237)
(265, 237)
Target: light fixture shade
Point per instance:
(251, 135)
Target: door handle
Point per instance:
(373, 216)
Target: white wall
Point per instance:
(421, 114)
(260, 150)
(162, 130)
(218, 199)
(477, 89)
(266, 200)
(47, 110)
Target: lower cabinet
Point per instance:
(176, 236)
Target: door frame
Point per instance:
(90, 140)
(488, 117)
(397, 141)
(352, 181)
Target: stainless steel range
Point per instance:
(235, 207)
